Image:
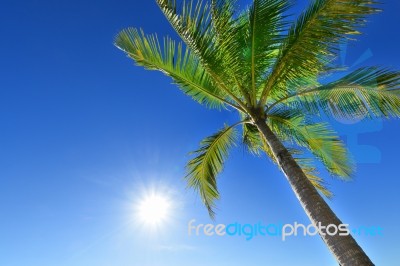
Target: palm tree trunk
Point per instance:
(345, 249)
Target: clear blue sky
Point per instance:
(83, 133)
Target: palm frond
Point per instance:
(312, 42)
(366, 92)
(252, 140)
(317, 137)
(202, 170)
(263, 35)
(256, 144)
(309, 169)
(175, 61)
(193, 24)
(229, 41)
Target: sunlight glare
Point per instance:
(153, 209)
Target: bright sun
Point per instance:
(153, 209)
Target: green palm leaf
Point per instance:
(229, 41)
(194, 25)
(175, 61)
(366, 92)
(312, 43)
(318, 138)
(263, 35)
(208, 163)
(252, 140)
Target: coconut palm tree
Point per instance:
(273, 72)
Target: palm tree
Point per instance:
(272, 72)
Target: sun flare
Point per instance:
(153, 209)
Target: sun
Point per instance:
(153, 209)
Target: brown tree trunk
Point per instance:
(345, 249)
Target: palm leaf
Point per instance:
(252, 140)
(318, 138)
(312, 43)
(229, 41)
(175, 61)
(208, 163)
(263, 35)
(193, 24)
(366, 92)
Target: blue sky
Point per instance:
(84, 134)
